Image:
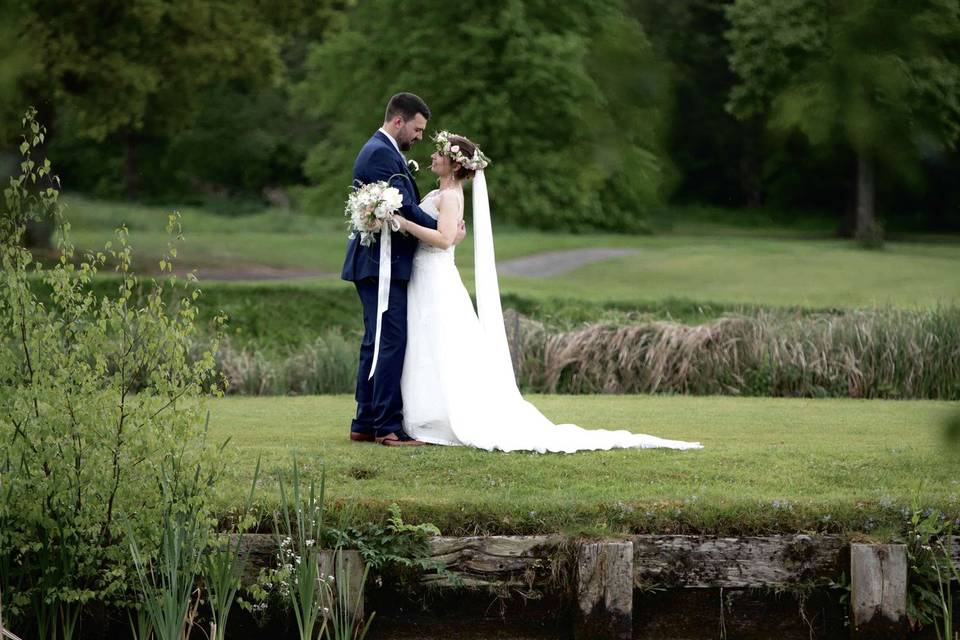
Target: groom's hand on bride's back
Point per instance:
(461, 233)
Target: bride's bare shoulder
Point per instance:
(450, 200)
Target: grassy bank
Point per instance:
(272, 315)
(290, 313)
(769, 465)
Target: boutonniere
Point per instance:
(413, 165)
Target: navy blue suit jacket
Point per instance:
(379, 160)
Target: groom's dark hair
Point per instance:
(407, 106)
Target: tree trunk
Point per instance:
(866, 230)
(130, 174)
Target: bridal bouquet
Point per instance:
(369, 207)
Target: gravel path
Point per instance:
(540, 265)
(554, 263)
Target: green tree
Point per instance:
(246, 119)
(880, 77)
(566, 98)
(106, 69)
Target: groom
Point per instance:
(379, 415)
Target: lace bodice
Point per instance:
(429, 205)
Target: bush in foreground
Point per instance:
(99, 396)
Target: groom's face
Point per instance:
(411, 131)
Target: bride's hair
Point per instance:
(467, 147)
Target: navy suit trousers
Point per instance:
(379, 403)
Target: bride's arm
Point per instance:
(448, 224)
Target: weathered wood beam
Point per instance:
(710, 562)
(604, 591)
(347, 586)
(878, 590)
(493, 561)
(666, 561)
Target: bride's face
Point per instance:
(442, 165)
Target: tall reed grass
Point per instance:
(328, 364)
(856, 354)
(881, 353)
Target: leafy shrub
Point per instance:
(97, 393)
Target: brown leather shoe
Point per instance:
(402, 440)
(356, 436)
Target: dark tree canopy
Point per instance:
(880, 77)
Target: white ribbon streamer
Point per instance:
(383, 290)
(489, 310)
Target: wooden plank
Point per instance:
(668, 561)
(605, 591)
(710, 562)
(258, 551)
(347, 571)
(878, 590)
(492, 561)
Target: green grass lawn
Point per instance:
(720, 268)
(809, 273)
(768, 465)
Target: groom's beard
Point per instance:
(404, 145)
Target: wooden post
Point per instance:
(605, 591)
(878, 582)
(348, 574)
(511, 323)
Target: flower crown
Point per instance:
(474, 163)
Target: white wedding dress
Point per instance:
(458, 384)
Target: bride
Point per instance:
(458, 384)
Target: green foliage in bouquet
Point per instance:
(574, 141)
(96, 391)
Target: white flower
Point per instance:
(413, 165)
(455, 149)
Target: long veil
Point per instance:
(489, 309)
